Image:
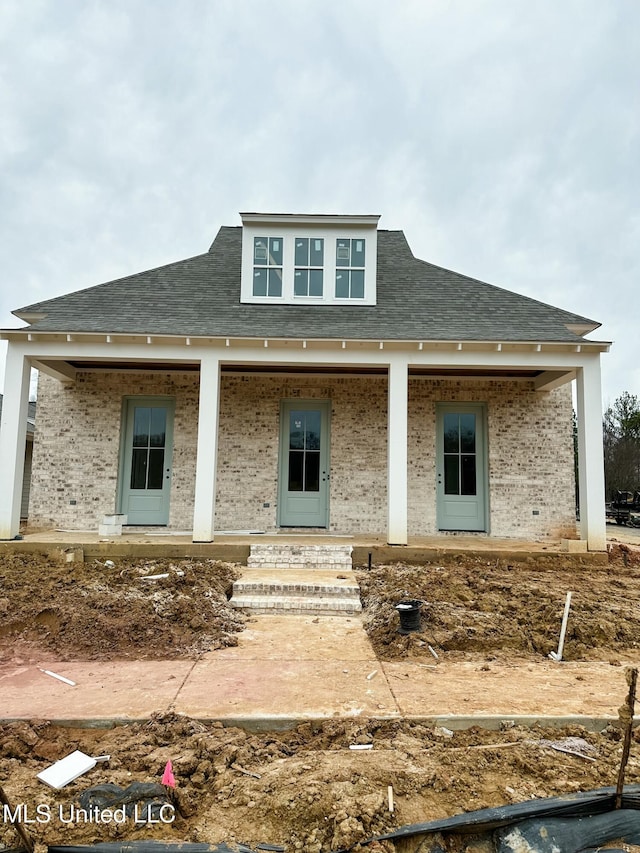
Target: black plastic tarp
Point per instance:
(580, 805)
(571, 835)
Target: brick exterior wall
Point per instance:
(530, 455)
(530, 450)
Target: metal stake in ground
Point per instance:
(15, 821)
(625, 715)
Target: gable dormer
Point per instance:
(314, 259)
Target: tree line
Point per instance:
(621, 435)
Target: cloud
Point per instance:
(501, 135)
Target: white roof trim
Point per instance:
(311, 218)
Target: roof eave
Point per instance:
(370, 220)
(29, 316)
(229, 340)
(582, 329)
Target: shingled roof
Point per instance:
(200, 296)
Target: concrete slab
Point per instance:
(235, 547)
(285, 689)
(543, 688)
(126, 690)
(302, 638)
(290, 667)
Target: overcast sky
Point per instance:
(503, 137)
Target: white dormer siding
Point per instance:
(315, 260)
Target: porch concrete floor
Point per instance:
(288, 669)
(235, 546)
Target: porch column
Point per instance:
(205, 492)
(397, 451)
(13, 436)
(591, 456)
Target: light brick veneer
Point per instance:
(530, 451)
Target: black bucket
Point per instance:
(409, 613)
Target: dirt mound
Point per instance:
(305, 789)
(497, 607)
(109, 610)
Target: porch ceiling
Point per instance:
(275, 369)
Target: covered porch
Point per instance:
(74, 361)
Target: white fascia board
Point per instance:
(292, 219)
(558, 359)
(410, 346)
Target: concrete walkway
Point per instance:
(288, 669)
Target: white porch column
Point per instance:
(591, 456)
(398, 397)
(205, 492)
(13, 435)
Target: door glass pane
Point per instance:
(304, 451)
(451, 425)
(451, 486)
(141, 420)
(296, 430)
(139, 468)
(468, 468)
(312, 472)
(296, 464)
(155, 466)
(158, 427)
(468, 433)
(312, 431)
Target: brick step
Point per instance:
(292, 582)
(283, 588)
(300, 556)
(298, 604)
(297, 591)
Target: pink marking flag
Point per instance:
(168, 778)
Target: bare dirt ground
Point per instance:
(504, 609)
(107, 610)
(306, 789)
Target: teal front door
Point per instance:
(145, 474)
(304, 464)
(460, 468)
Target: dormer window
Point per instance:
(316, 259)
(309, 266)
(267, 266)
(350, 256)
